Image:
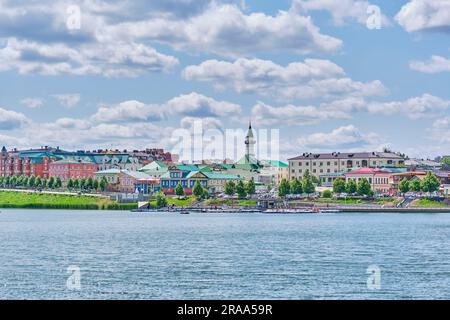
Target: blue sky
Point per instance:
(134, 71)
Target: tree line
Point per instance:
(51, 183)
(429, 184)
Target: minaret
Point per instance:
(250, 143)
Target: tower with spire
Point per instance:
(250, 142)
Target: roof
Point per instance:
(110, 171)
(277, 163)
(187, 167)
(72, 161)
(137, 175)
(346, 155)
(366, 171)
(221, 176)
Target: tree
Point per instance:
(364, 187)
(103, 184)
(351, 186)
(338, 185)
(296, 187)
(230, 188)
(179, 191)
(31, 181)
(404, 186)
(58, 182)
(250, 187)
(51, 183)
(240, 190)
(284, 188)
(446, 161)
(430, 183)
(327, 194)
(13, 181)
(38, 182)
(198, 190)
(89, 183)
(307, 183)
(76, 183)
(70, 184)
(44, 183)
(83, 183)
(95, 184)
(161, 200)
(415, 185)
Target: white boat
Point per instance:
(290, 211)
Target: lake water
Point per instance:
(123, 255)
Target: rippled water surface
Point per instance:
(125, 255)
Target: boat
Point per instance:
(184, 212)
(330, 210)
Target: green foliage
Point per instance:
(250, 187)
(284, 188)
(307, 183)
(198, 190)
(38, 182)
(89, 183)
(51, 183)
(230, 188)
(364, 188)
(76, 183)
(415, 185)
(296, 187)
(95, 184)
(58, 182)
(70, 185)
(351, 186)
(339, 186)
(240, 190)
(430, 183)
(446, 161)
(103, 184)
(179, 191)
(327, 194)
(404, 186)
(161, 200)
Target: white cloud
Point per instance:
(414, 108)
(299, 80)
(197, 105)
(206, 123)
(423, 15)
(32, 102)
(69, 100)
(131, 110)
(435, 64)
(342, 138)
(11, 120)
(341, 10)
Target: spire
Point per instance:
(250, 124)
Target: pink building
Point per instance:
(72, 169)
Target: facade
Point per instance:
(112, 178)
(273, 172)
(217, 181)
(71, 169)
(136, 182)
(155, 169)
(378, 179)
(324, 163)
(33, 162)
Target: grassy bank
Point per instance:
(429, 204)
(17, 200)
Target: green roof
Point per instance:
(277, 163)
(222, 176)
(187, 167)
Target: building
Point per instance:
(136, 182)
(273, 171)
(324, 163)
(72, 169)
(420, 164)
(112, 178)
(184, 176)
(33, 162)
(217, 181)
(379, 180)
(155, 169)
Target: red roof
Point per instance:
(366, 171)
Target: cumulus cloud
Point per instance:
(68, 100)
(424, 15)
(342, 138)
(414, 108)
(341, 11)
(32, 102)
(11, 120)
(192, 105)
(308, 79)
(435, 64)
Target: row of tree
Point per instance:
(297, 186)
(362, 188)
(241, 188)
(30, 182)
(88, 184)
(429, 184)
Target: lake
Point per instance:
(124, 255)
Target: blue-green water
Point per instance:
(125, 255)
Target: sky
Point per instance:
(348, 75)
